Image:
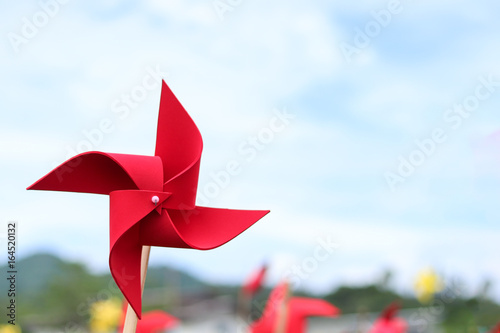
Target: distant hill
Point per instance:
(54, 292)
(35, 272)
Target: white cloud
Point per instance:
(323, 174)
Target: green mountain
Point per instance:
(35, 272)
(52, 292)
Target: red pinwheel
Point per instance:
(152, 198)
(249, 288)
(254, 282)
(152, 322)
(388, 322)
(496, 329)
(156, 321)
(287, 314)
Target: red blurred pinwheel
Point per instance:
(152, 198)
(155, 321)
(388, 322)
(496, 329)
(249, 288)
(286, 314)
(254, 282)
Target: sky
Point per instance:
(369, 129)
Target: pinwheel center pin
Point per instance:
(155, 199)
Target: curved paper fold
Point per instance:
(127, 208)
(202, 228)
(179, 144)
(101, 173)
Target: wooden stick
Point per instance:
(244, 304)
(131, 318)
(281, 324)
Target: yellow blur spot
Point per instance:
(427, 284)
(8, 328)
(105, 315)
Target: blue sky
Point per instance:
(324, 174)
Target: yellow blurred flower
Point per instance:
(427, 284)
(105, 315)
(8, 328)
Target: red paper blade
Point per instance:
(127, 209)
(179, 144)
(206, 228)
(102, 173)
(202, 228)
(125, 267)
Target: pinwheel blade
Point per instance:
(102, 173)
(206, 228)
(179, 144)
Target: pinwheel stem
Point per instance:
(283, 311)
(131, 318)
(243, 304)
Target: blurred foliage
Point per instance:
(52, 293)
(370, 298)
(467, 315)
